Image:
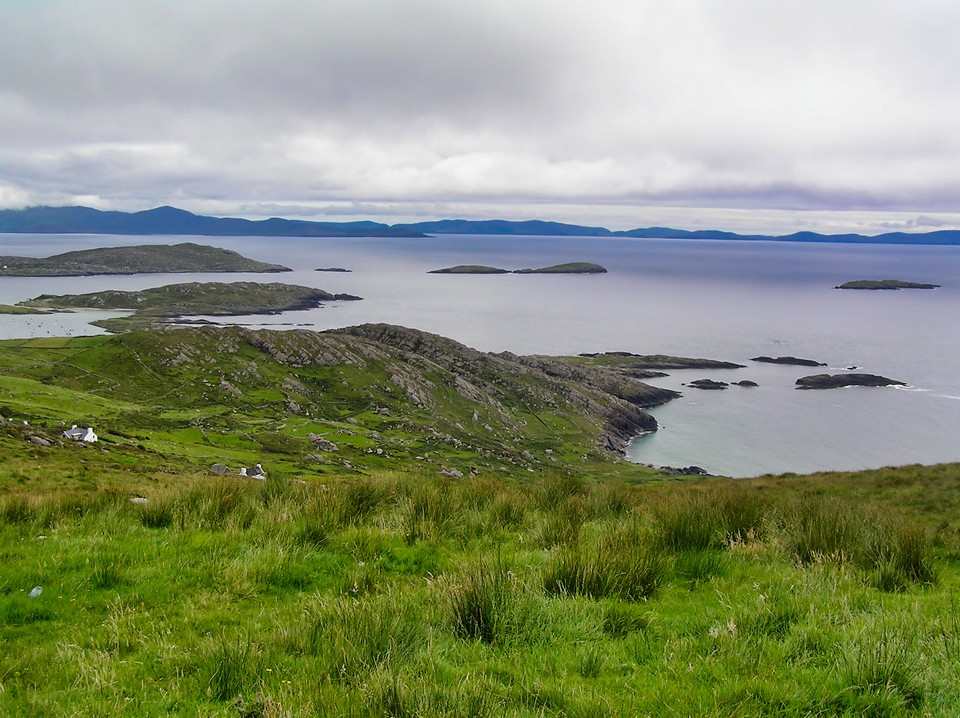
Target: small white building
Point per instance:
(75, 433)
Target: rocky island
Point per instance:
(141, 259)
(164, 304)
(568, 268)
(469, 269)
(885, 284)
(836, 381)
(793, 361)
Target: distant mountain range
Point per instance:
(173, 221)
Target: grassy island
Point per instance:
(140, 259)
(189, 299)
(470, 269)
(568, 268)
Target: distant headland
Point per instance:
(170, 220)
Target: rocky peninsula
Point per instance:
(168, 303)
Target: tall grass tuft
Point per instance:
(690, 522)
(899, 557)
(17, 510)
(157, 514)
(229, 667)
(210, 506)
(711, 520)
(430, 512)
(619, 567)
(480, 601)
(356, 500)
(882, 674)
(351, 638)
(107, 571)
(824, 530)
(563, 524)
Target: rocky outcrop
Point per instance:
(708, 384)
(873, 284)
(628, 360)
(836, 381)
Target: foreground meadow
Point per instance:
(407, 594)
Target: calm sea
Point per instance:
(715, 299)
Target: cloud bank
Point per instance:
(406, 108)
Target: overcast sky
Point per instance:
(738, 114)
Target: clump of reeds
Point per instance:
(481, 599)
(620, 566)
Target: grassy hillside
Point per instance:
(547, 579)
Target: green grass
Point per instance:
(285, 598)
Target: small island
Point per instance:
(793, 361)
(836, 381)
(332, 269)
(140, 259)
(166, 304)
(885, 284)
(568, 268)
(709, 384)
(470, 269)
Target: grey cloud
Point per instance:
(408, 106)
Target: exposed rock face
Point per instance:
(498, 380)
(793, 361)
(835, 381)
(709, 384)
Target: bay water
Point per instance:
(729, 300)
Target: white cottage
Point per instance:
(75, 433)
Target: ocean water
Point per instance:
(715, 299)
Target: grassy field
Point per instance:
(406, 594)
(547, 579)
